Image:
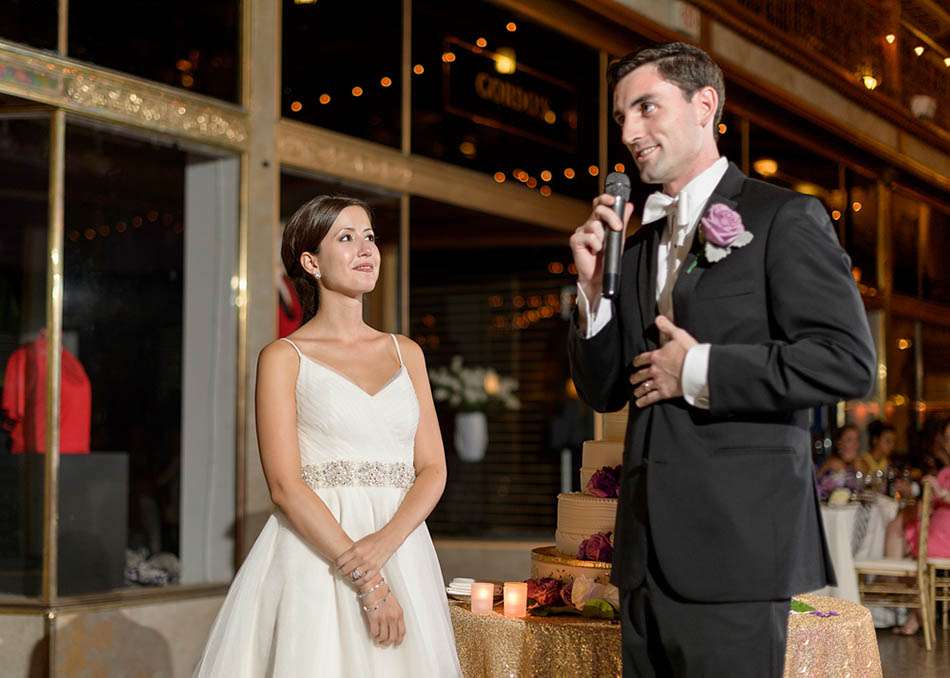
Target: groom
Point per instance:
(737, 313)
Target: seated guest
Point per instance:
(934, 452)
(902, 534)
(845, 456)
(840, 469)
(881, 440)
(904, 531)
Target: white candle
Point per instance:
(516, 599)
(483, 595)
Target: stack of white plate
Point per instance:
(460, 587)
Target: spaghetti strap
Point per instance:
(398, 352)
(299, 354)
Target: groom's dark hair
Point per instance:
(686, 66)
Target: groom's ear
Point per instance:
(706, 101)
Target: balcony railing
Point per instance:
(893, 50)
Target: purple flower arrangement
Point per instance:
(581, 596)
(833, 480)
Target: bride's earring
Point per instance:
(316, 274)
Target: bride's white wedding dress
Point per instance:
(288, 613)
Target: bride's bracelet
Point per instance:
(366, 593)
(376, 606)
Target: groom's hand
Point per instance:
(659, 376)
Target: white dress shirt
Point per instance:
(683, 213)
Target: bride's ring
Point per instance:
(357, 574)
(648, 385)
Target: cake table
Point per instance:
(837, 640)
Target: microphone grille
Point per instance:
(618, 184)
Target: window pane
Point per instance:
(519, 103)
(785, 163)
(860, 229)
(499, 298)
(24, 174)
(861, 412)
(381, 307)
(935, 274)
(342, 67)
(905, 231)
(151, 244)
(730, 137)
(936, 356)
(901, 382)
(192, 45)
(32, 22)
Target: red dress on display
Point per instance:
(24, 401)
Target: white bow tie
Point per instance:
(659, 205)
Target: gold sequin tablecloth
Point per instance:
(839, 645)
(493, 646)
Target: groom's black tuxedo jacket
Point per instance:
(728, 494)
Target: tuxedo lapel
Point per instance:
(646, 281)
(725, 193)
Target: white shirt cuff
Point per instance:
(696, 376)
(593, 319)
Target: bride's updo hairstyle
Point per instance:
(304, 232)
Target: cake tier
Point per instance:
(579, 516)
(596, 455)
(547, 562)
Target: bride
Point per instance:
(343, 579)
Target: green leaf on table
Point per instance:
(800, 607)
(548, 610)
(598, 608)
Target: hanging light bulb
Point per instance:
(765, 166)
(505, 61)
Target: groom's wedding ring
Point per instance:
(357, 574)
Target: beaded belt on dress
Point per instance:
(342, 472)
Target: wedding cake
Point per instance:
(585, 519)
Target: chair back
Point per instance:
(925, 506)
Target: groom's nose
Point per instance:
(632, 132)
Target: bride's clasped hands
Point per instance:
(361, 563)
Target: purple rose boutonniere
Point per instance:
(722, 231)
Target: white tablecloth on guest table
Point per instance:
(841, 523)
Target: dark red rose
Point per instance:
(605, 482)
(545, 591)
(597, 547)
(566, 589)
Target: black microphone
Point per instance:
(618, 185)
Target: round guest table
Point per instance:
(835, 641)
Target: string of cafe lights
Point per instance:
(122, 226)
(519, 313)
(385, 81)
(872, 80)
(467, 147)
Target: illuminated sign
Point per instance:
(495, 89)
